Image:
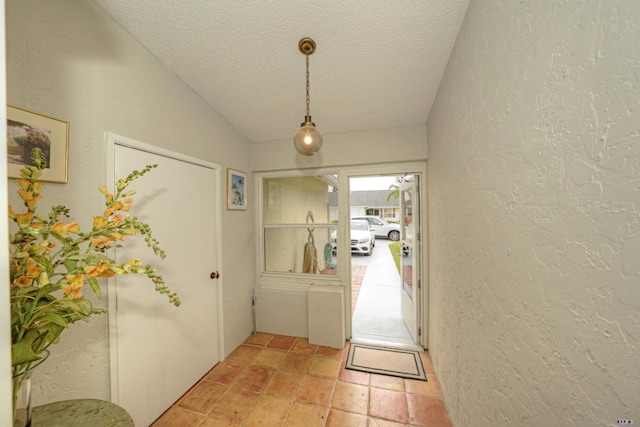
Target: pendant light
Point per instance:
(307, 139)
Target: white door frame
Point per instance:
(344, 215)
(112, 140)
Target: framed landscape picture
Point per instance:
(236, 190)
(27, 130)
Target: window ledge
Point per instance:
(296, 282)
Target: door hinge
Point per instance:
(419, 332)
(419, 283)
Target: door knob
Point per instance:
(215, 275)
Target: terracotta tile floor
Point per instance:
(357, 276)
(275, 380)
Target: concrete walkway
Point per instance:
(377, 316)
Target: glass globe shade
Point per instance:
(307, 140)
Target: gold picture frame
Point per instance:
(236, 190)
(27, 130)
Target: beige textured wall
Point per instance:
(69, 60)
(534, 215)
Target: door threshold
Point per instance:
(399, 344)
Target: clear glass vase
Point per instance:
(22, 392)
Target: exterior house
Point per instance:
(369, 202)
(532, 187)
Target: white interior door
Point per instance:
(162, 350)
(410, 256)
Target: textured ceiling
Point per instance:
(378, 63)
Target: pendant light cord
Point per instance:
(307, 56)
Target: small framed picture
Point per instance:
(236, 190)
(27, 130)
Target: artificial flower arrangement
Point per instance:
(52, 263)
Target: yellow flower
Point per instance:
(31, 273)
(100, 270)
(23, 281)
(32, 268)
(126, 205)
(43, 279)
(73, 227)
(24, 183)
(131, 264)
(75, 279)
(99, 222)
(39, 249)
(117, 235)
(24, 219)
(108, 196)
(29, 199)
(58, 228)
(24, 194)
(74, 289)
(102, 241)
(64, 229)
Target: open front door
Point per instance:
(410, 259)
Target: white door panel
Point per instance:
(163, 350)
(410, 256)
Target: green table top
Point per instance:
(80, 413)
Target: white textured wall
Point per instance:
(534, 215)
(69, 60)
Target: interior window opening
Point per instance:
(300, 224)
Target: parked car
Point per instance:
(381, 227)
(357, 238)
(362, 239)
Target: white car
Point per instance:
(362, 239)
(380, 227)
(359, 241)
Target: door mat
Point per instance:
(386, 361)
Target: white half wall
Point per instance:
(316, 313)
(282, 311)
(326, 315)
(534, 215)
